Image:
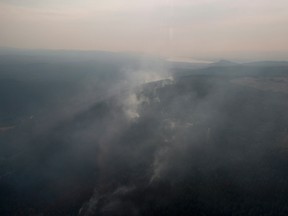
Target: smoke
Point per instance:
(147, 143)
(149, 71)
(194, 133)
(155, 137)
(131, 104)
(121, 146)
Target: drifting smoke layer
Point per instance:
(71, 139)
(191, 148)
(131, 102)
(201, 144)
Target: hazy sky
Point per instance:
(174, 28)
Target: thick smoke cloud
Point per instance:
(150, 142)
(117, 148)
(203, 135)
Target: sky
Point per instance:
(170, 28)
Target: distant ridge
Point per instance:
(267, 63)
(222, 63)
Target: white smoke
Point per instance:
(134, 83)
(132, 103)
